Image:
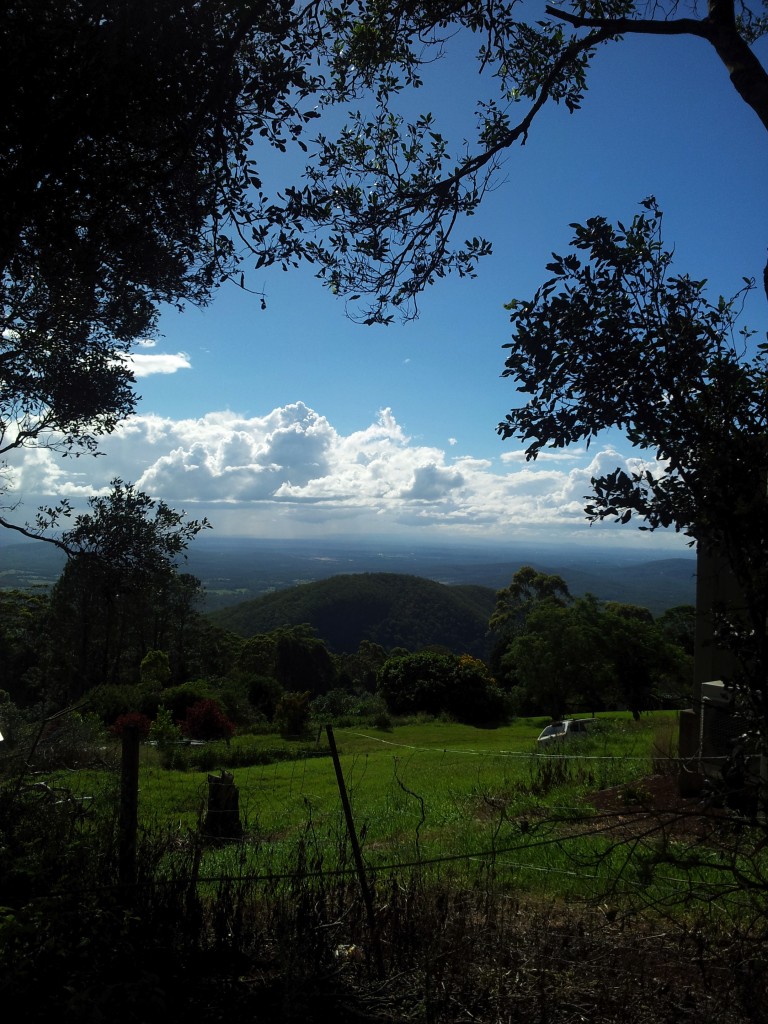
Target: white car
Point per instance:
(569, 728)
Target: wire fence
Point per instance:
(523, 818)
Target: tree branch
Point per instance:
(574, 49)
(36, 536)
(747, 74)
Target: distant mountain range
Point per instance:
(234, 570)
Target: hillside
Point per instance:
(391, 609)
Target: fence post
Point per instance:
(129, 806)
(222, 820)
(356, 852)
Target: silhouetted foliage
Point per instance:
(127, 173)
(120, 594)
(615, 339)
(460, 686)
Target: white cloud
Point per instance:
(431, 482)
(290, 471)
(145, 365)
(557, 456)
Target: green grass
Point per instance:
(444, 764)
(454, 803)
(452, 795)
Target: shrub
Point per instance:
(131, 719)
(167, 735)
(206, 721)
(71, 741)
(383, 721)
(155, 670)
(109, 702)
(292, 713)
(335, 704)
(178, 699)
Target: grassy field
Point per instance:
(454, 801)
(446, 766)
(451, 803)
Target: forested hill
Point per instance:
(388, 608)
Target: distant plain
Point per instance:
(240, 569)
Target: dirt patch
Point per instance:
(632, 808)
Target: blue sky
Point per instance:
(296, 422)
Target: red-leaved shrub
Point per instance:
(206, 721)
(131, 718)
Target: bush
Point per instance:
(382, 721)
(292, 714)
(179, 699)
(434, 684)
(135, 719)
(167, 735)
(110, 701)
(264, 694)
(71, 741)
(206, 721)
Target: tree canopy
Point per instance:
(433, 683)
(390, 193)
(135, 140)
(121, 594)
(616, 339)
(126, 170)
(590, 656)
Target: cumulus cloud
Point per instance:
(291, 470)
(430, 483)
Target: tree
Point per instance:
(559, 659)
(647, 669)
(302, 661)
(390, 192)
(514, 603)
(23, 627)
(616, 339)
(359, 670)
(593, 655)
(131, 170)
(127, 166)
(527, 589)
(131, 167)
(120, 594)
(458, 685)
(678, 626)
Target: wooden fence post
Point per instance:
(222, 820)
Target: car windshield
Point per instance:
(554, 730)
